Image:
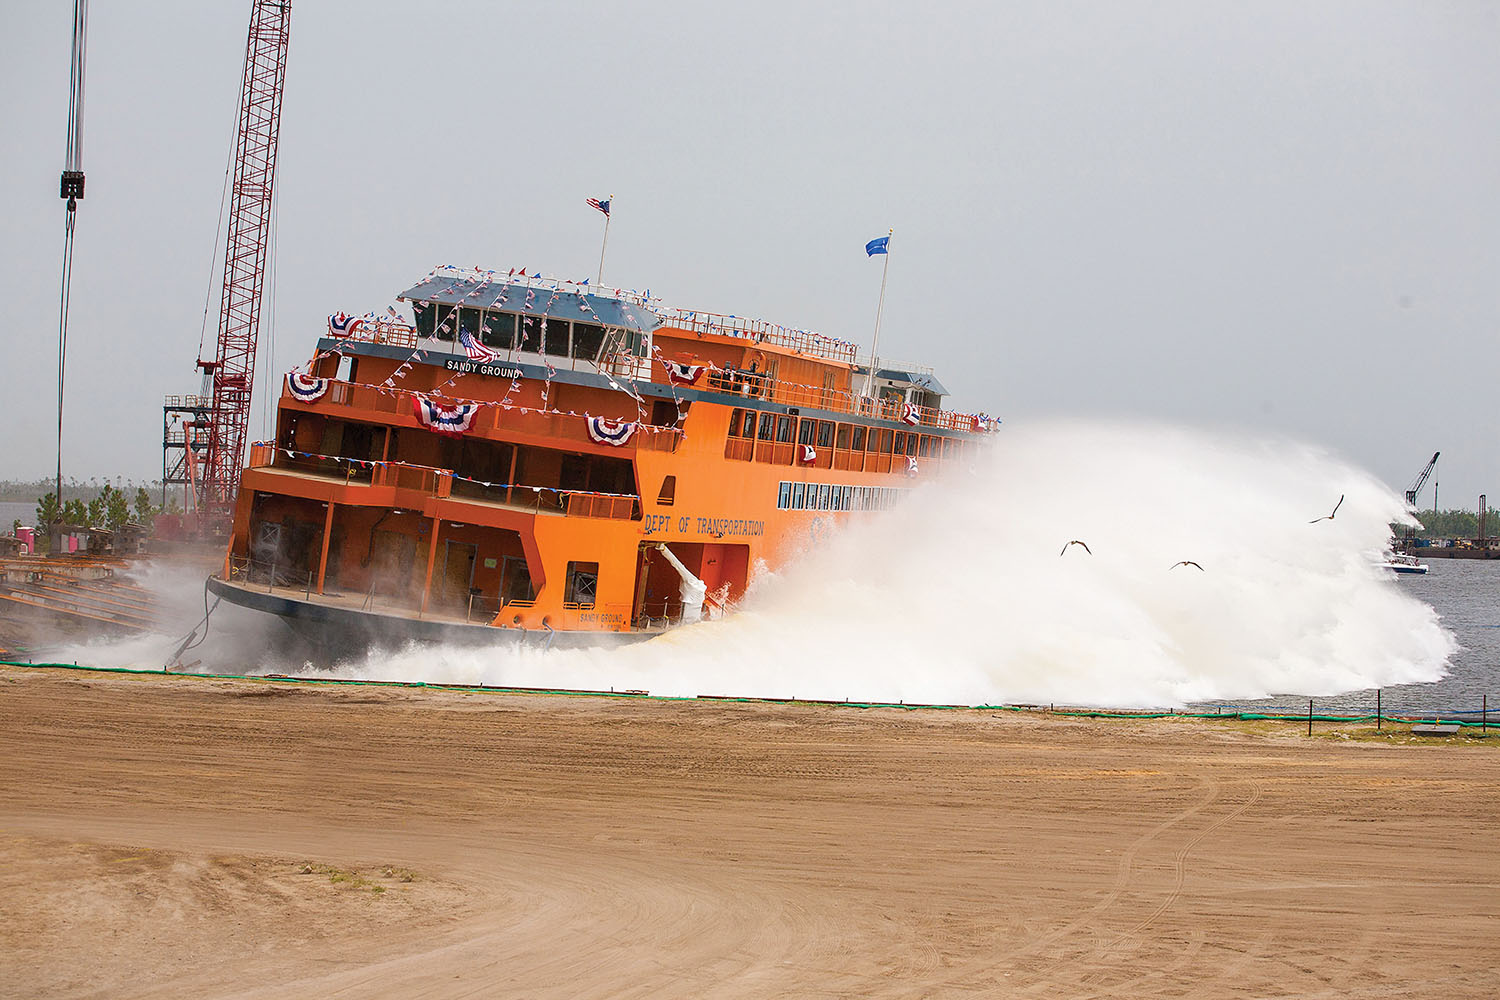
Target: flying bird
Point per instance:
(1074, 542)
(1330, 516)
(1185, 562)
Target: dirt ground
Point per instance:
(206, 838)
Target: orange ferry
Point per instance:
(536, 458)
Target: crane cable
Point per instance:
(71, 188)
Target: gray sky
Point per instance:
(1280, 217)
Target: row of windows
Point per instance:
(826, 496)
(783, 428)
(505, 331)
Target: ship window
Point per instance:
(588, 341)
(784, 429)
(423, 313)
(471, 320)
(901, 442)
(499, 330)
(784, 497)
(885, 440)
(443, 321)
(823, 496)
(798, 493)
(841, 440)
(806, 429)
(530, 338)
(734, 422)
(858, 441)
(583, 581)
(555, 334)
(767, 424)
(668, 494)
(825, 433)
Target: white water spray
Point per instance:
(959, 595)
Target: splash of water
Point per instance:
(960, 596)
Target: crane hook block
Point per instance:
(72, 184)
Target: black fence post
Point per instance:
(1377, 710)
(1309, 716)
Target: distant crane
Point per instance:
(1421, 481)
(1409, 540)
(214, 458)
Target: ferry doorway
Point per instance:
(458, 573)
(398, 566)
(515, 581)
(724, 570)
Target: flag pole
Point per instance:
(599, 278)
(879, 309)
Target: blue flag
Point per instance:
(877, 246)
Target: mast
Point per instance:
(885, 248)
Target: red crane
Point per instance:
(232, 370)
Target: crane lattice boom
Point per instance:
(233, 369)
(1421, 481)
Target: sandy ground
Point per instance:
(187, 838)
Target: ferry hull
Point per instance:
(343, 631)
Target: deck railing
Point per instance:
(761, 332)
(444, 484)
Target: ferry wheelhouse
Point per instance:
(532, 457)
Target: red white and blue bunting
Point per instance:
(305, 388)
(343, 325)
(910, 415)
(611, 432)
(807, 454)
(682, 374)
(454, 420)
(911, 465)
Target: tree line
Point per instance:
(110, 508)
(1452, 524)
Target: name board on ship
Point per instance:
(475, 368)
(719, 527)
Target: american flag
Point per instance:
(602, 206)
(474, 349)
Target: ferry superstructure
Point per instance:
(536, 458)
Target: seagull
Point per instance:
(1074, 542)
(1330, 516)
(1186, 562)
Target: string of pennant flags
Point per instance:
(456, 416)
(363, 463)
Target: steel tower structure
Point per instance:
(232, 370)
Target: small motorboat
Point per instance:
(1401, 562)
